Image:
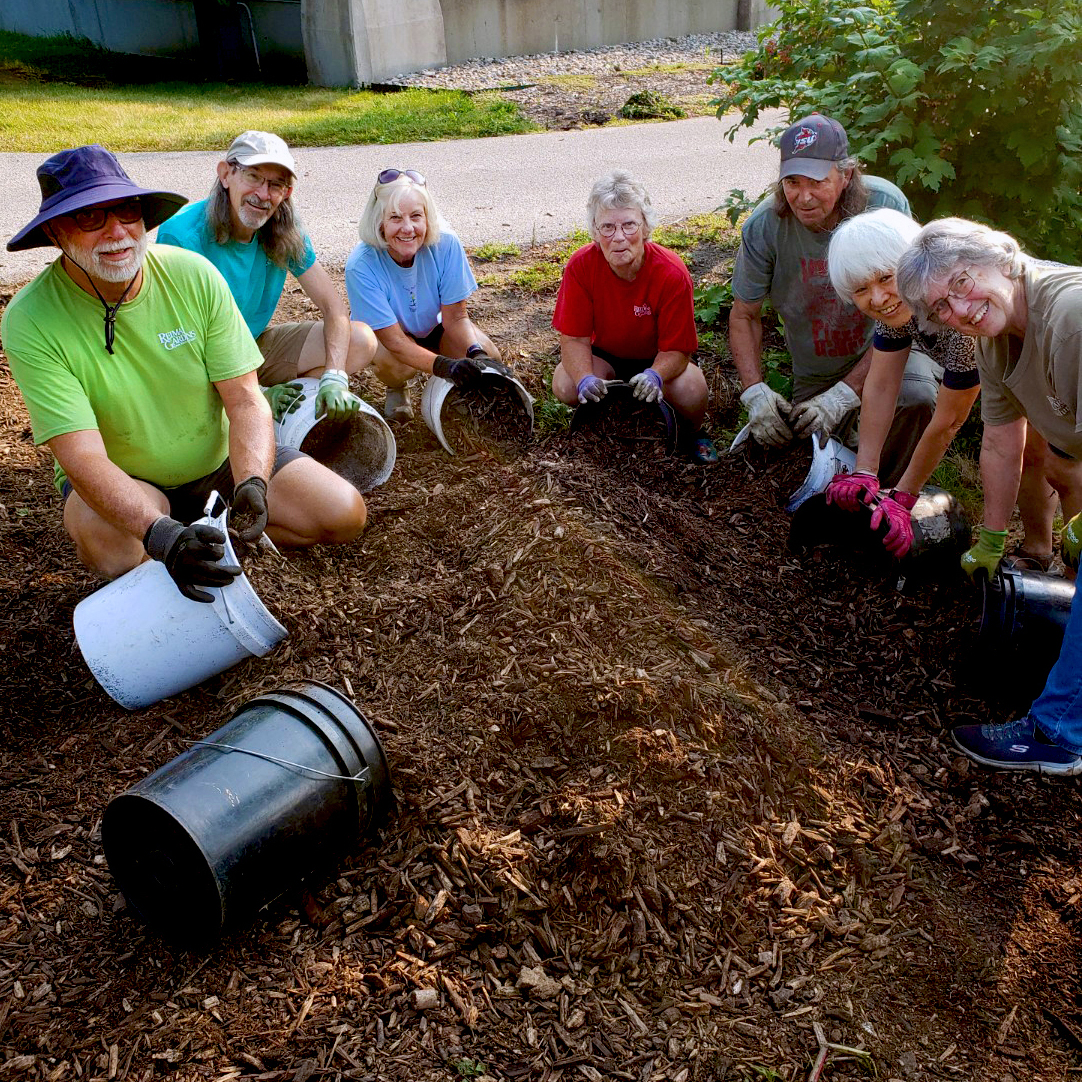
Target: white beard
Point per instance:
(254, 217)
(112, 272)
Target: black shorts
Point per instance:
(187, 501)
(622, 367)
(430, 341)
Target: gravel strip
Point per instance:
(489, 73)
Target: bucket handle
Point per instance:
(364, 775)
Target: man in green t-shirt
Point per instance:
(150, 411)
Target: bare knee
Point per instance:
(344, 516)
(362, 347)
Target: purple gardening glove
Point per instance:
(850, 490)
(591, 389)
(894, 508)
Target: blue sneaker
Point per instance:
(1017, 745)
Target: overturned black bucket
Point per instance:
(1023, 619)
(291, 784)
(619, 401)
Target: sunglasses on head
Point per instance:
(91, 218)
(389, 175)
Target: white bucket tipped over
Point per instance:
(828, 458)
(435, 395)
(362, 449)
(144, 641)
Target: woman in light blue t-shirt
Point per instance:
(409, 280)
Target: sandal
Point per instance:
(1021, 560)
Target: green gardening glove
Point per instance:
(986, 553)
(1071, 540)
(284, 398)
(334, 396)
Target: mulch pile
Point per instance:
(674, 803)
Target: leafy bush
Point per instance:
(712, 301)
(973, 110)
(650, 105)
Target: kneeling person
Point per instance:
(249, 229)
(146, 417)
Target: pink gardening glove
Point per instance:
(894, 507)
(850, 490)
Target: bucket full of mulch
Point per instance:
(495, 414)
(362, 449)
(621, 420)
(295, 781)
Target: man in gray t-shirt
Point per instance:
(783, 257)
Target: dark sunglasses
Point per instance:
(92, 218)
(389, 175)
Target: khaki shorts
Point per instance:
(281, 347)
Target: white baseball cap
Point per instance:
(261, 148)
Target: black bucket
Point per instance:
(211, 837)
(620, 409)
(1023, 619)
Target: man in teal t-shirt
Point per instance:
(249, 229)
(151, 410)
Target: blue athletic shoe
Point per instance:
(1017, 745)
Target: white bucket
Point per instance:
(828, 458)
(144, 641)
(368, 445)
(435, 395)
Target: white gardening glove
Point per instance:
(646, 385)
(824, 412)
(767, 411)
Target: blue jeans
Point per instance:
(1058, 709)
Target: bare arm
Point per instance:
(102, 485)
(317, 285)
(951, 410)
(459, 333)
(746, 341)
(877, 404)
(576, 356)
(670, 363)
(1001, 470)
(404, 349)
(251, 428)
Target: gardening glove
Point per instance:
(191, 555)
(986, 553)
(334, 398)
(248, 513)
(591, 389)
(646, 386)
(767, 411)
(1071, 540)
(894, 509)
(824, 412)
(284, 398)
(463, 373)
(849, 490)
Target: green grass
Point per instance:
(570, 80)
(699, 229)
(538, 277)
(653, 69)
(54, 93)
(494, 250)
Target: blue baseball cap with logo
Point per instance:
(812, 147)
(84, 177)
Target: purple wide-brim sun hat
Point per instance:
(84, 177)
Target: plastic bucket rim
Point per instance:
(434, 397)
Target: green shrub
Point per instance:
(973, 110)
(650, 105)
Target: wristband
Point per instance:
(474, 351)
(334, 375)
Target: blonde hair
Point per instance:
(388, 198)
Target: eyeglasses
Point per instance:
(629, 229)
(90, 219)
(389, 175)
(960, 288)
(256, 179)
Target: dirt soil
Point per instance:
(674, 803)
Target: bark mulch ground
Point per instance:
(675, 804)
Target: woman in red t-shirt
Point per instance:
(625, 311)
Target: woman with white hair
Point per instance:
(1026, 317)
(625, 311)
(409, 280)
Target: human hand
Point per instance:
(850, 490)
(248, 513)
(646, 385)
(986, 553)
(463, 373)
(1071, 540)
(824, 412)
(284, 398)
(191, 555)
(894, 508)
(334, 398)
(767, 411)
(591, 389)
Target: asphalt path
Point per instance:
(525, 189)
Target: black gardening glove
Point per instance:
(248, 514)
(463, 373)
(191, 555)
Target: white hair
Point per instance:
(866, 246)
(619, 189)
(388, 197)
